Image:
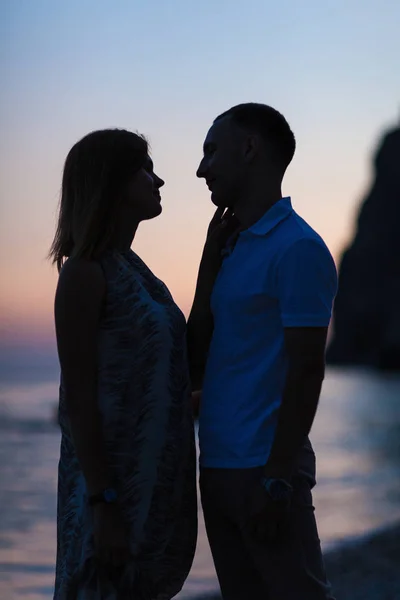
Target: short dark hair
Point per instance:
(270, 124)
(96, 173)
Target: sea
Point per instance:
(356, 437)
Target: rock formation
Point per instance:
(366, 319)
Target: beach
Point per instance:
(357, 440)
(362, 569)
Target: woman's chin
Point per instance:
(156, 211)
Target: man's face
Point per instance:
(223, 162)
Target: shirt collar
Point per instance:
(277, 213)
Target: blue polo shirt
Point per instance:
(279, 274)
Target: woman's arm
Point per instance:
(222, 227)
(79, 300)
(200, 324)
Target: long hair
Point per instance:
(97, 170)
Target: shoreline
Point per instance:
(363, 568)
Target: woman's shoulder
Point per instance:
(81, 275)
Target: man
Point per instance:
(257, 334)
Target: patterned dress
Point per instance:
(144, 399)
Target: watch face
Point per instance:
(110, 495)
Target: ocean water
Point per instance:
(356, 437)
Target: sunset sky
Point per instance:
(167, 68)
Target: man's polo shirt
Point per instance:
(279, 274)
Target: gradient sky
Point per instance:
(167, 68)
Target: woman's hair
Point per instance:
(97, 171)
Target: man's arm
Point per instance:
(305, 349)
(306, 283)
(306, 286)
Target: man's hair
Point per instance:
(270, 124)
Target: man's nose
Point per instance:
(201, 171)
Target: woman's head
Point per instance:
(108, 187)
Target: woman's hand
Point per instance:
(222, 227)
(196, 399)
(220, 215)
(111, 538)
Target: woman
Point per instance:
(127, 514)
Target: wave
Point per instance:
(15, 424)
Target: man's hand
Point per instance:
(267, 518)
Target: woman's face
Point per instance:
(143, 199)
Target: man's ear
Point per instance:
(251, 147)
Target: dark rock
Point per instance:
(367, 569)
(366, 319)
(364, 569)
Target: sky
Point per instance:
(167, 69)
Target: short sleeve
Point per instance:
(306, 284)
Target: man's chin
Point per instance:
(218, 200)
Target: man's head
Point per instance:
(248, 143)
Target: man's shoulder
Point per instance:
(303, 253)
(296, 232)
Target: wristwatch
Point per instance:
(277, 489)
(107, 496)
